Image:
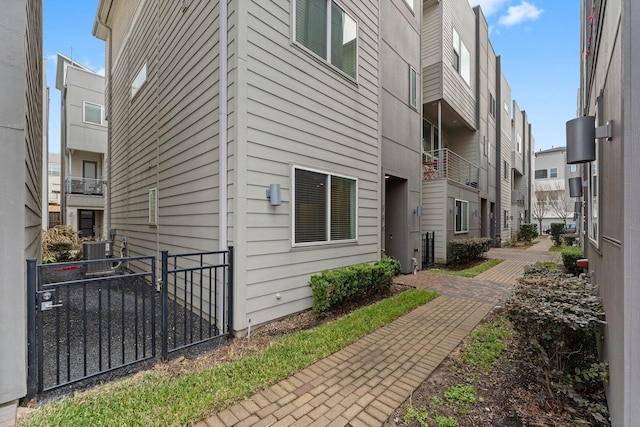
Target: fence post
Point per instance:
(165, 296)
(32, 383)
(230, 293)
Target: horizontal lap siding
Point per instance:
(432, 53)
(300, 111)
(434, 215)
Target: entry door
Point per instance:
(89, 176)
(86, 223)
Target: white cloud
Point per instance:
(489, 7)
(518, 14)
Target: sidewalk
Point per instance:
(362, 384)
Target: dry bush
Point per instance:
(60, 244)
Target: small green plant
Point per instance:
(570, 255)
(467, 250)
(557, 229)
(470, 272)
(420, 415)
(446, 421)
(549, 265)
(461, 396)
(528, 232)
(487, 343)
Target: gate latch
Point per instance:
(48, 300)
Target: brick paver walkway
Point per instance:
(362, 384)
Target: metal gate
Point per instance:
(428, 250)
(89, 318)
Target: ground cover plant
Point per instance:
(168, 396)
(465, 271)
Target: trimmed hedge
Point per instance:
(467, 250)
(528, 232)
(557, 230)
(333, 287)
(570, 256)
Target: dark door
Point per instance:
(86, 223)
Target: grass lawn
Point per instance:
(160, 399)
(471, 271)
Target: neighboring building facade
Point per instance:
(552, 200)
(610, 91)
(471, 167)
(21, 163)
(83, 147)
(54, 190)
(289, 113)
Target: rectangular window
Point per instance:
(518, 143)
(413, 87)
(325, 207)
(461, 58)
(153, 206)
(574, 168)
(507, 171)
(139, 80)
(325, 29)
(492, 106)
(93, 113)
(505, 215)
(461, 211)
(541, 173)
(54, 169)
(553, 173)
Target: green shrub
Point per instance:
(467, 250)
(528, 232)
(557, 229)
(569, 239)
(570, 255)
(560, 317)
(332, 287)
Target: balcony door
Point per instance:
(89, 176)
(86, 223)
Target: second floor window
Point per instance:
(553, 173)
(328, 31)
(94, 113)
(461, 212)
(541, 173)
(413, 87)
(461, 58)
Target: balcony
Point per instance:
(445, 164)
(86, 186)
(517, 198)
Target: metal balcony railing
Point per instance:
(445, 164)
(517, 198)
(88, 186)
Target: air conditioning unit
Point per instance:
(96, 251)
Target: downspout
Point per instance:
(108, 159)
(498, 214)
(222, 133)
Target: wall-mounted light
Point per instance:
(581, 138)
(273, 194)
(575, 187)
(418, 211)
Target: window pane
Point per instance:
(413, 87)
(465, 216)
(344, 45)
(541, 173)
(92, 113)
(553, 173)
(310, 206)
(343, 208)
(465, 64)
(426, 135)
(139, 80)
(311, 25)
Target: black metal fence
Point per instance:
(88, 318)
(428, 250)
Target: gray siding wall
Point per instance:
(432, 52)
(401, 124)
(299, 111)
(504, 109)
(20, 168)
(456, 92)
(434, 215)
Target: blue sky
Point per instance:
(538, 41)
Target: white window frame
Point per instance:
(153, 206)
(506, 173)
(139, 81)
(518, 143)
(327, 57)
(593, 200)
(413, 87)
(461, 58)
(461, 208)
(327, 184)
(553, 172)
(103, 120)
(505, 219)
(409, 4)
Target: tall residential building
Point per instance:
(472, 167)
(269, 130)
(83, 147)
(610, 94)
(21, 128)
